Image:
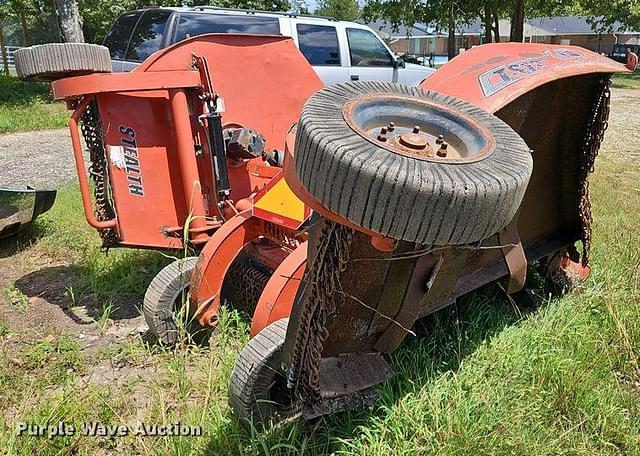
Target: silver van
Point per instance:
(339, 51)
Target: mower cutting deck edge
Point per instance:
(419, 195)
(20, 207)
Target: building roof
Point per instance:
(388, 31)
(535, 26)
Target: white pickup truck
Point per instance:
(339, 51)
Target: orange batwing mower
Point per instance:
(335, 216)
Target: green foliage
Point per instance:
(28, 106)
(342, 10)
(444, 13)
(98, 15)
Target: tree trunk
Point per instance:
(496, 28)
(517, 22)
(487, 25)
(3, 50)
(26, 36)
(451, 40)
(69, 21)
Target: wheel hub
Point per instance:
(417, 128)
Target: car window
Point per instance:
(192, 24)
(619, 48)
(319, 44)
(366, 49)
(117, 38)
(147, 37)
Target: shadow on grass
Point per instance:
(55, 284)
(14, 92)
(92, 283)
(443, 340)
(28, 235)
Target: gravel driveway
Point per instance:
(37, 158)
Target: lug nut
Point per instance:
(391, 126)
(442, 152)
(382, 138)
(416, 129)
(440, 139)
(383, 131)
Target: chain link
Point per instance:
(247, 283)
(99, 171)
(323, 279)
(598, 123)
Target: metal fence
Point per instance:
(10, 51)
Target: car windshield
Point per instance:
(192, 24)
(147, 37)
(117, 38)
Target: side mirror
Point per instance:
(399, 62)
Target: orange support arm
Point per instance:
(214, 262)
(87, 204)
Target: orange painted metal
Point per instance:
(186, 156)
(156, 150)
(279, 293)
(134, 81)
(214, 262)
(562, 261)
(87, 204)
(264, 80)
(493, 75)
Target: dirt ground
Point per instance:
(36, 158)
(44, 158)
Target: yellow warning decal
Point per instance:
(280, 200)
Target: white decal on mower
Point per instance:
(131, 160)
(496, 79)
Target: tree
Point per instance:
(537, 8)
(608, 17)
(342, 10)
(22, 10)
(69, 21)
(443, 13)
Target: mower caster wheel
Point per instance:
(166, 298)
(258, 390)
(48, 62)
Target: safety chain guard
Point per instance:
(99, 171)
(598, 123)
(323, 279)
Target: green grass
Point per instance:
(479, 377)
(626, 80)
(16, 297)
(26, 106)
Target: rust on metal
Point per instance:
(414, 140)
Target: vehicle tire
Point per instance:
(48, 62)
(258, 390)
(166, 295)
(397, 187)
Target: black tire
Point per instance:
(432, 201)
(166, 295)
(258, 392)
(48, 62)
